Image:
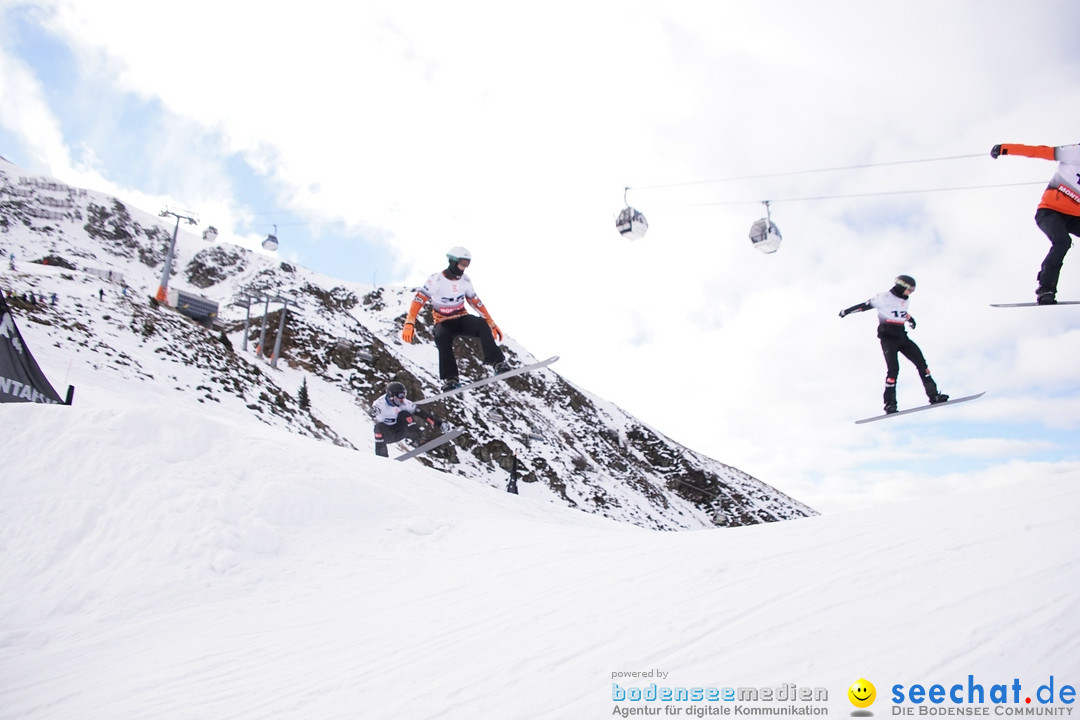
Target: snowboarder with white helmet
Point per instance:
(448, 291)
(893, 317)
(395, 418)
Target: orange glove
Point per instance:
(409, 330)
(495, 331)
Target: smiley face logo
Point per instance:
(862, 693)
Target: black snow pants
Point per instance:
(892, 346)
(464, 326)
(405, 427)
(1058, 227)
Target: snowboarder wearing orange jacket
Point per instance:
(1058, 214)
(448, 291)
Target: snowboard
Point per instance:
(485, 381)
(1031, 304)
(431, 444)
(921, 407)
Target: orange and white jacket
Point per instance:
(448, 298)
(1063, 192)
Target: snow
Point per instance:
(185, 565)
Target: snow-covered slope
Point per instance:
(186, 565)
(103, 259)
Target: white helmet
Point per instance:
(458, 253)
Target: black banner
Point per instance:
(21, 380)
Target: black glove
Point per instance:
(843, 313)
(911, 321)
(996, 150)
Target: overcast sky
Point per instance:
(378, 135)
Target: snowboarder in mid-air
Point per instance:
(395, 419)
(893, 317)
(448, 291)
(1058, 214)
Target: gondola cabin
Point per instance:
(270, 243)
(631, 224)
(765, 236)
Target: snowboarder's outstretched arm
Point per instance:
(856, 308)
(1062, 194)
(1044, 152)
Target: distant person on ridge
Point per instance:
(395, 418)
(448, 291)
(1058, 214)
(892, 310)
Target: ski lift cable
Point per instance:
(855, 195)
(862, 166)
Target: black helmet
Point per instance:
(904, 282)
(395, 389)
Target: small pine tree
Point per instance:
(302, 397)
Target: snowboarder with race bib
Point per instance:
(1058, 214)
(448, 291)
(395, 419)
(893, 317)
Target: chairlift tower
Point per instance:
(163, 288)
(280, 331)
(246, 302)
